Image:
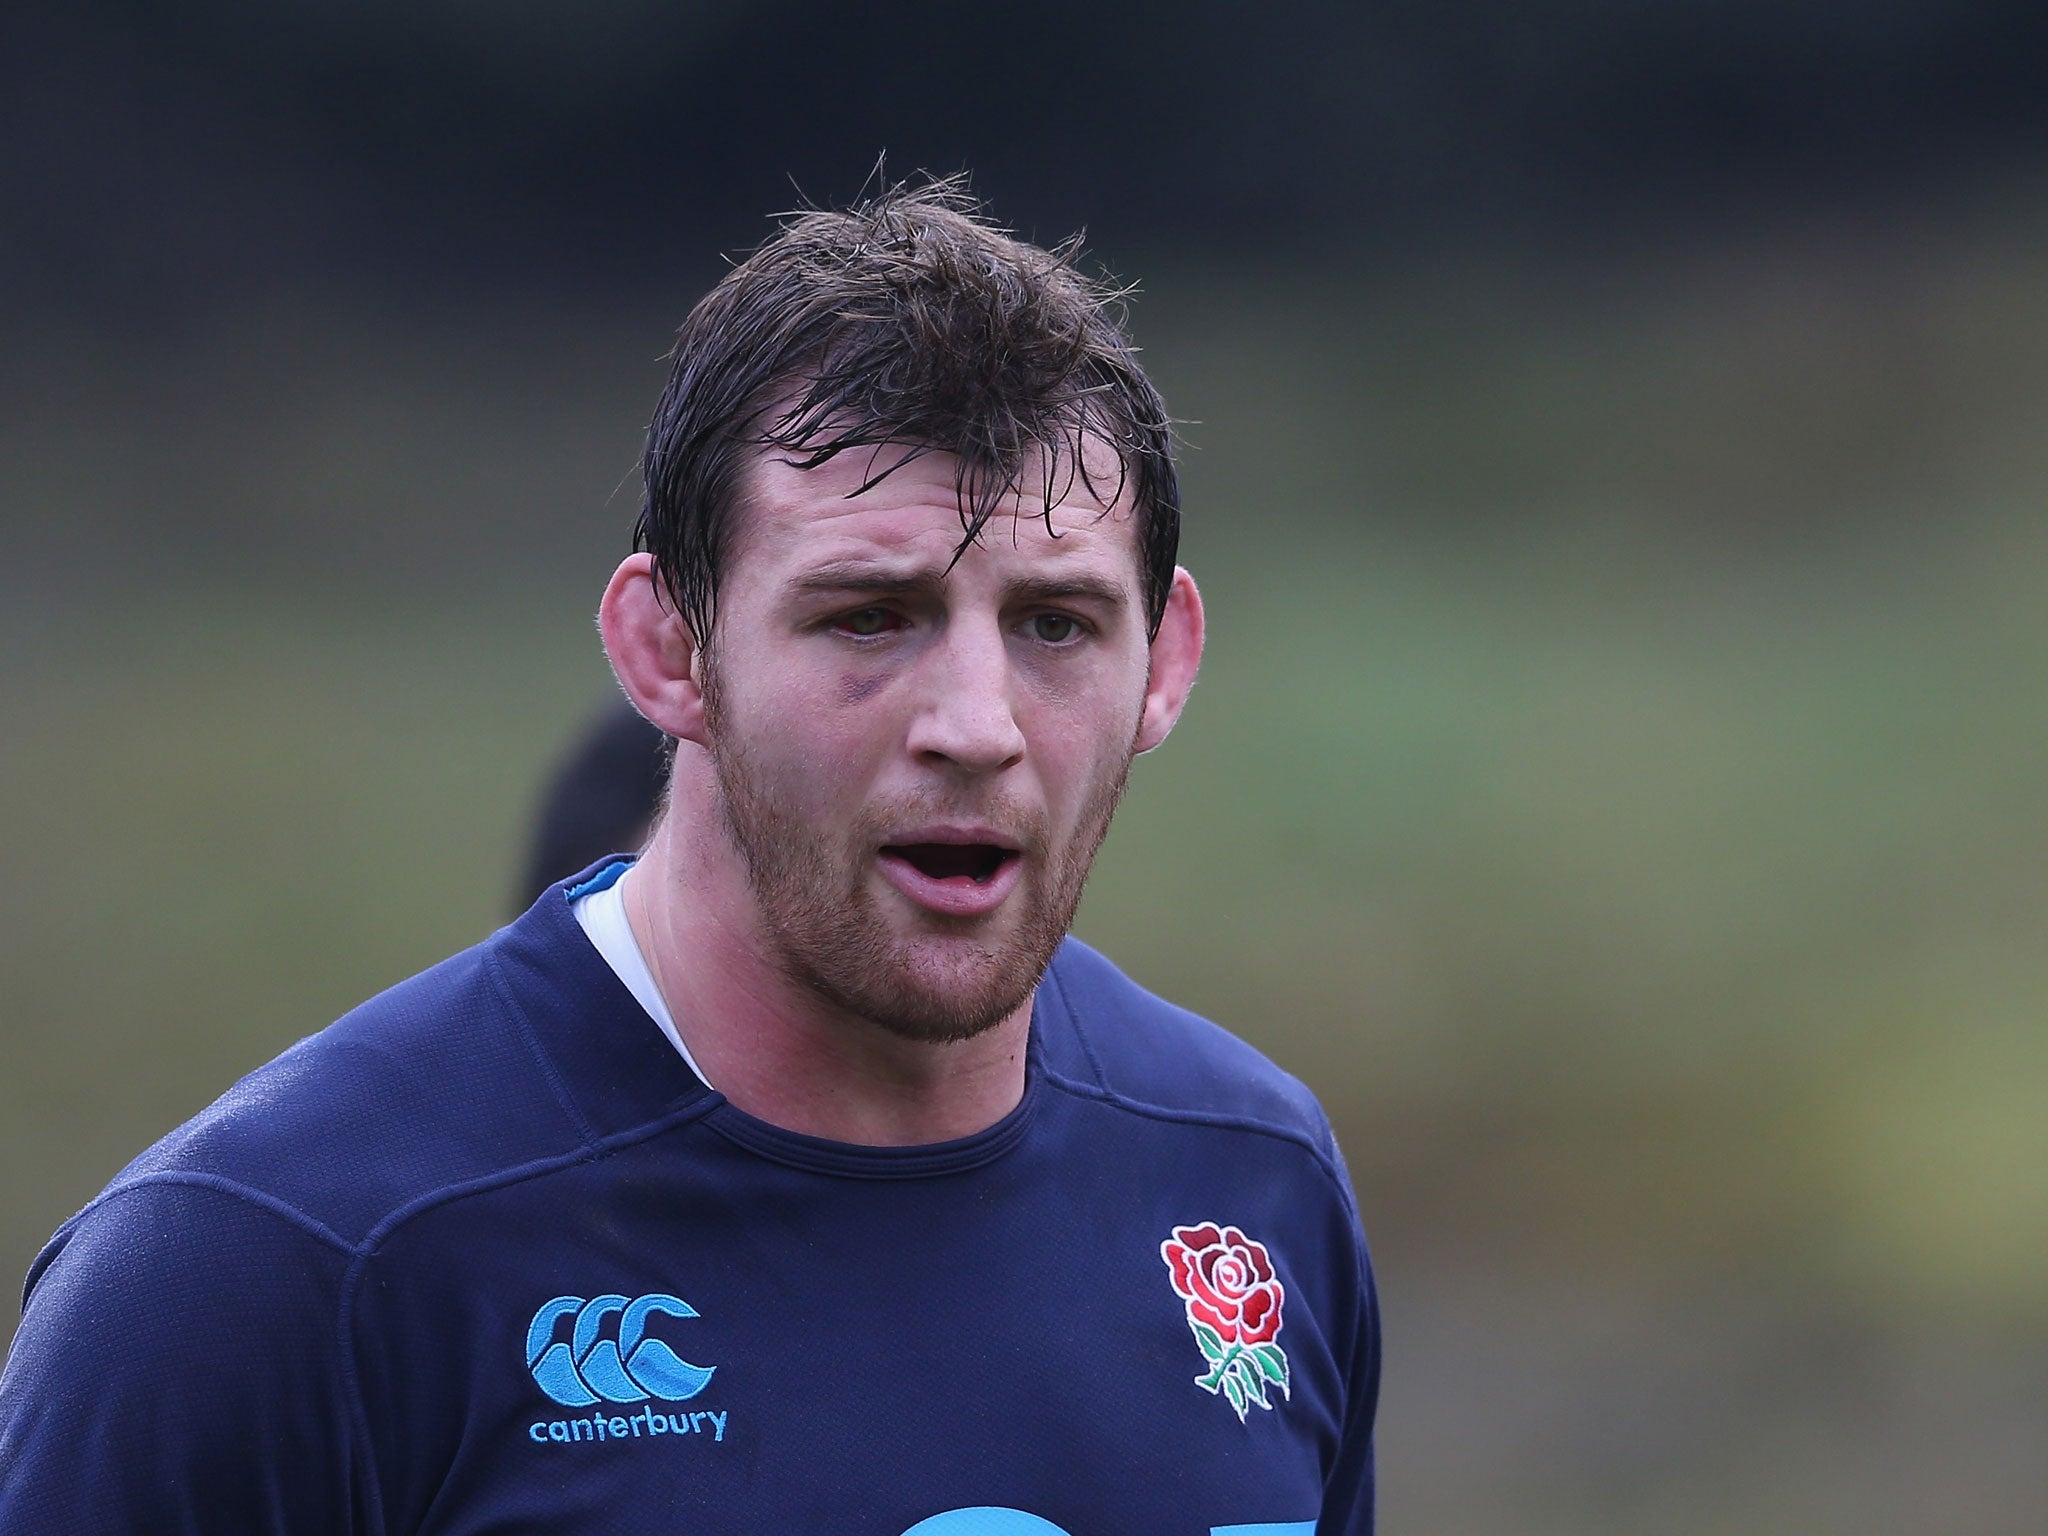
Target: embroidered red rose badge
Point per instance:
(1233, 1304)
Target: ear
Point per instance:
(1176, 656)
(654, 656)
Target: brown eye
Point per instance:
(1055, 628)
(868, 621)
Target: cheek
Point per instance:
(813, 750)
(855, 689)
(1084, 744)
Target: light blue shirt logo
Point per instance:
(593, 1366)
(990, 1520)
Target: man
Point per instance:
(800, 1176)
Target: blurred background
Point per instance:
(1618, 440)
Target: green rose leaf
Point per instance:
(1272, 1363)
(1234, 1390)
(1210, 1340)
(1254, 1382)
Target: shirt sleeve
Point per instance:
(179, 1369)
(1349, 1492)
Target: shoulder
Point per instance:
(432, 1082)
(1106, 1039)
(1107, 1036)
(177, 1350)
(225, 1255)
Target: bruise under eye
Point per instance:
(854, 689)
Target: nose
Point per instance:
(967, 717)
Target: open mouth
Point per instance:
(975, 862)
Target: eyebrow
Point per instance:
(864, 576)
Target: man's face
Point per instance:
(918, 763)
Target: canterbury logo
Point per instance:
(628, 1368)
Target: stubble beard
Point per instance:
(827, 930)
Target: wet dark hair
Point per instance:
(908, 319)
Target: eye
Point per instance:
(867, 622)
(1055, 628)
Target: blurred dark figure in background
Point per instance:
(600, 800)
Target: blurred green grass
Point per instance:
(1614, 786)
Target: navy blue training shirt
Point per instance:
(485, 1256)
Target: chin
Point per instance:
(939, 990)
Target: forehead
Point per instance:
(791, 518)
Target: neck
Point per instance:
(774, 1047)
